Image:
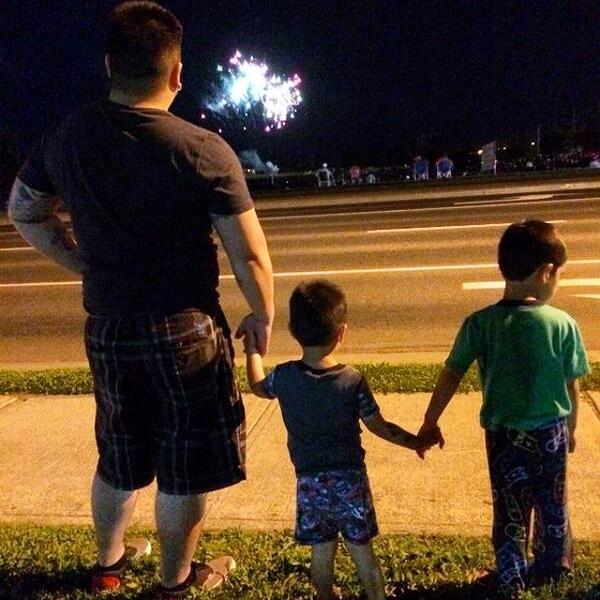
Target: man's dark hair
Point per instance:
(526, 246)
(317, 311)
(143, 42)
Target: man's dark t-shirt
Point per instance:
(140, 185)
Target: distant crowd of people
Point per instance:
(354, 175)
(327, 177)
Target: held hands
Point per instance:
(256, 334)
(249, 341)
(429, 435)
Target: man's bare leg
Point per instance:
(112, 510)
(321, 568)
(179, 523)
(369, 572)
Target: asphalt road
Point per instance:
(412, 270)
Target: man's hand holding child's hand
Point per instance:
(249, 340)
(428, 436)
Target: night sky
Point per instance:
(379, 77)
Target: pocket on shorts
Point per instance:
(199, 347)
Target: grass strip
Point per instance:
(384, 378)
(51, 563)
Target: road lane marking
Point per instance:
(20, 248)
(447, 227)
(534, 196)
(374, 270)
(384, 211)
(496, 203)
(39, 284)
(513, 200)
(495, 285)
(297, 273)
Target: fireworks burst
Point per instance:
(248, 86)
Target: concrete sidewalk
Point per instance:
(47, 457)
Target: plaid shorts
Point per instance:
(167, 403)
(335, 502)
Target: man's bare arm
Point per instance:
(248, 254)
(33, 213)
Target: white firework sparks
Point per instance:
(248, 85)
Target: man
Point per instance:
(325, 177)
(144, 190)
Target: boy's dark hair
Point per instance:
(317, 311)
(526, 246)
(143, 42)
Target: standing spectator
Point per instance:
(144, 190)
(323, 404)
(530, 357)
(354, 173)
(325, 176)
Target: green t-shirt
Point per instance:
(526, 353)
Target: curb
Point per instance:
(7, 401)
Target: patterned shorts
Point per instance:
(335, 502)
(167, 403)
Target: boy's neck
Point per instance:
(517, 290)
(319, 357)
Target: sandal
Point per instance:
(206, 576)
(107, 579)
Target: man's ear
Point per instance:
(175, 77)
(107, 64)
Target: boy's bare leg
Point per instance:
(369, 572)
(179, 523)
(321, 568)
(112, 510)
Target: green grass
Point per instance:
(40, 562)
(384, 378)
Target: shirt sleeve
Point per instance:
(367, 405)
(269, 384)
(33, 173)
(464, 351)
(228, 192)
(575, 360)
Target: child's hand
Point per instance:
(429, 435)
(249, 341)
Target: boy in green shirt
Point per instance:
(530, 356)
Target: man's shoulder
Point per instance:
(75, 118)
(181, 125)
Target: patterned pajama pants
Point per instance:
(528, 475)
